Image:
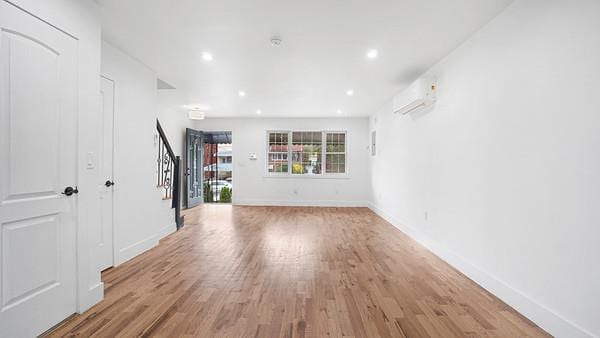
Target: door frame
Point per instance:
(101, 179)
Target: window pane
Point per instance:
(277, 161)
(306, 153)
(335, 158)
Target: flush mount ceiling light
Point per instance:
(206, 56)
(258, 112)
(242, 93)
(349, 92)
(276, 41)
(339, 111)
(372, 54)
(196, 114)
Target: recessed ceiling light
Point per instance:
(196, 106)
(258, 112)
(207, 56)
(372, 54)
(349, 92)
(242, 93)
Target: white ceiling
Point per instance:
(323, 53)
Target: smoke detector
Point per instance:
(276, 41)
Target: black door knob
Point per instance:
(70, 191)
(108, 183)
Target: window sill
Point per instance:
(318, 177)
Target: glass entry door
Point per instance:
(193, 174)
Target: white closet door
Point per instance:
(38, 160)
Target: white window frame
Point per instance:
(323, 173)
(289, 153)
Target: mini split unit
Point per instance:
(419, 95)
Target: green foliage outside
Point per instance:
(225, 195)
(208, 193)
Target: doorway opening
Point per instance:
(217, 167)
(209, 173)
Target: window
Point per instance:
(335, 158)
(304, 152)
(278, 152)
(307, 150)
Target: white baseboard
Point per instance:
(130, 251)
(301, 203)
(166, 231)
(545, 318)
(93, 296)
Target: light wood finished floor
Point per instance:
(292, 272)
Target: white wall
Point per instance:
(81, 19)
(507, 164)
(141, 217)
(174, 121)
(252, 187)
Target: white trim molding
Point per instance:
(301, 203)
(137, 248)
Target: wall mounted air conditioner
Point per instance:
(420, 94)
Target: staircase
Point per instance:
(169, 174)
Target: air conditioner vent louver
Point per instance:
(420, 94)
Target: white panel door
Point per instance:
(38, 154)
(105, 250)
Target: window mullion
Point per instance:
(323, 152)
(289, 157)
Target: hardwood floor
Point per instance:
(292, 272)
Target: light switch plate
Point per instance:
(90, 160)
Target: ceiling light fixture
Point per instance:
(372, 54)
(196, 114)
(339, 111)
(349, 92)
(207, 56)
(258, 112)
(242, 93)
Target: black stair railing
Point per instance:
(169, 173)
